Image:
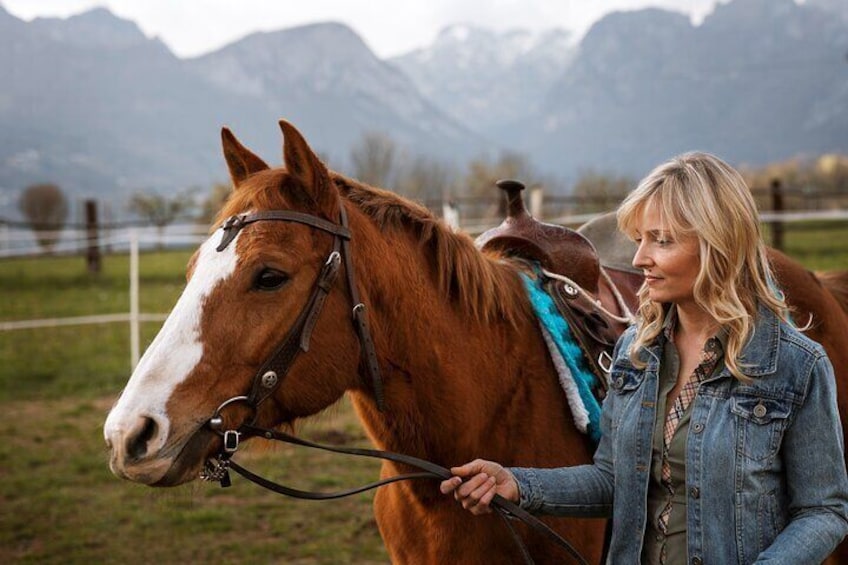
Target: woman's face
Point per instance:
(670, 266)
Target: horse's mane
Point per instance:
(483, 284)
(479, 283)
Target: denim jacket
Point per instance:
(765, 466)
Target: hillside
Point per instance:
(91, 103)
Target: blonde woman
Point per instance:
(721, 438)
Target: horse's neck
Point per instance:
(448, 389)
(453, 382)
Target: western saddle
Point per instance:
(596, 308)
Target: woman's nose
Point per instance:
(641, 259)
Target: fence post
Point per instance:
(536, 201)
(134, 317)
(92, 256)
(777, 208)
(450, 213)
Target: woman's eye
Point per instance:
(270, 279)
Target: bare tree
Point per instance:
(374, 159)
(819, 183)
(214, 201)
(426, 180)
(599, 192)
(482, 175)
(160, 210)
(46, 209)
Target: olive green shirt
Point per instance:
(674, 540)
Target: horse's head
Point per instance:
(248, 286)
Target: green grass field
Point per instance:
(820, 246)
(60, 503)
(77, 360)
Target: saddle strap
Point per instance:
(594, 329)
(505, 508)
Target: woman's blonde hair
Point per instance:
(698, 194)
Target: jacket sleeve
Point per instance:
(813, 454)
(584, 490)
(581, 491)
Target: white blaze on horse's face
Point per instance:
(138, 429)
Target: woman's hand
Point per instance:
(476, 483)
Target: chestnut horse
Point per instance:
(465, 369)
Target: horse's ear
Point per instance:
(303, 165)
(240, 160)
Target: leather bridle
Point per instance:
(271, 374)
(268, 378)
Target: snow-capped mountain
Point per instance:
(485, 78)
(757, 81)
(91, 103)
(327, 81)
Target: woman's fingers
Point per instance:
(449, 485)
(468, 487)
(477, 500)
(471, 468)
(475, 484)
(486, 498)
(465, 472)
(475, 494)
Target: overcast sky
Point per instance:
(390, 27)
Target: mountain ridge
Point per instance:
(97, 107)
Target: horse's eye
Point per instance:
(270, 279)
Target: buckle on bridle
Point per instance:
(329, 271)
(231, 441)
(605, 362)
(231, 227)
(218, 467)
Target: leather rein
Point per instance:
(271, 374)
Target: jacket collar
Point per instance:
(759, 355)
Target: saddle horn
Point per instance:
(557, 248)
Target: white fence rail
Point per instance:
(78, 321)
(19, 242)
(130, 239)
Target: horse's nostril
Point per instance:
(138, 441)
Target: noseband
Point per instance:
(271, 374)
